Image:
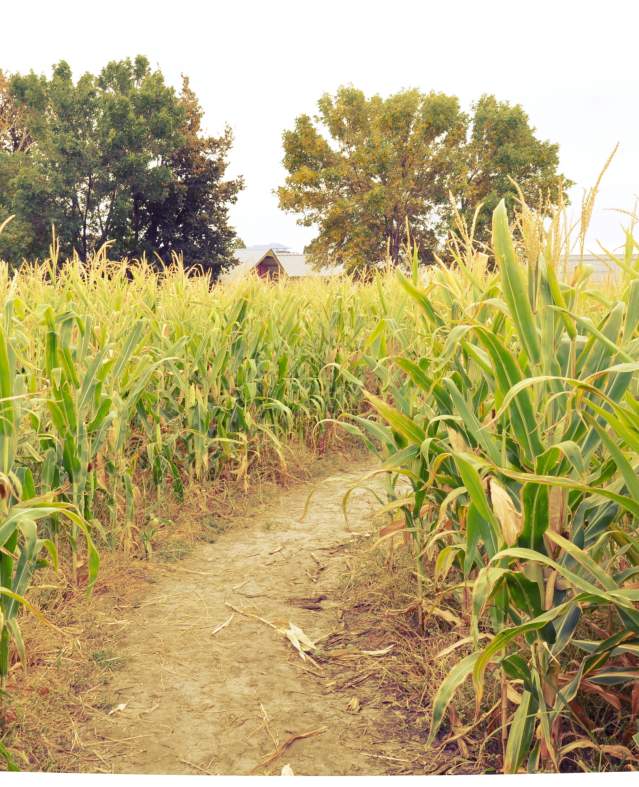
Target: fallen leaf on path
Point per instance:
(353, 705)
(302, 643)
(289, 742)
(222, 625)
(299, 640)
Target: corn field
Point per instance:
(499, 391)
(513, 456)
(113, 379)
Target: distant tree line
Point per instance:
(121, 157)
(363, 168)
(118, 157)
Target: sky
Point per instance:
(257, 65)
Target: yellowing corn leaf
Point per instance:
(616, 750)
(513, 695)
(556, 504)
(457, 442)
(447, 651)
(556, 507)
(510, 520)
(444, 614)
(549, 686)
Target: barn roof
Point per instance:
(252, 256)
(248, 260)
(294, 265)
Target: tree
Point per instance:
(363, 169)
(502, 148)
(192, 217)
(14, 135)
(15, 140)
(238, 244)
(117, 157)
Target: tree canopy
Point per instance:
(362, 168)
(117, 157)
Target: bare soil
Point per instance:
(204, 686)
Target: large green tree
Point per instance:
(117, 157)
(363, 169)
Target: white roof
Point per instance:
(601, 268)
(295, 265)
(252, 256)
(248, 260)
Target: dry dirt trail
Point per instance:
(204, 699)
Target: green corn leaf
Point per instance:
(520, 735)
(514, 286)
(474, 487)
(399, 422)
(535, 516)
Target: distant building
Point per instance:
(602, 269)
(273, 262)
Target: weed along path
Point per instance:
(213, 678)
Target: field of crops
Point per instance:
(112, 382)
(519, 435)
(501, 396)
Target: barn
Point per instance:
(273, 262)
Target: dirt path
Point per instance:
(202, 700)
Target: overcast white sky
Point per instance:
(257, 65)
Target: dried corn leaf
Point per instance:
(510, 520)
